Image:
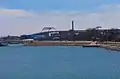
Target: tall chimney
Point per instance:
(72, 25)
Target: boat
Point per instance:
(3, 44)
(15, 45)
(93, 44)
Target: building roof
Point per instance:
(48, 28)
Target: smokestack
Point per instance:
(72, 25)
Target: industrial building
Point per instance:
(76, 35)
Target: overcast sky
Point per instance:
(30, 16)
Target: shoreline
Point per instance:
(56, 43)
(107, 45)
(110, 47)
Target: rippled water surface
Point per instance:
(19, 62)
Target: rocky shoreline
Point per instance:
(114, 46)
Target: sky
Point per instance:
(30, 16)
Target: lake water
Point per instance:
(19, 62)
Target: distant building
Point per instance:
(76, 35)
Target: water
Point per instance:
(19, 62)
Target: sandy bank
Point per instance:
(56, 43)
(106, 45)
